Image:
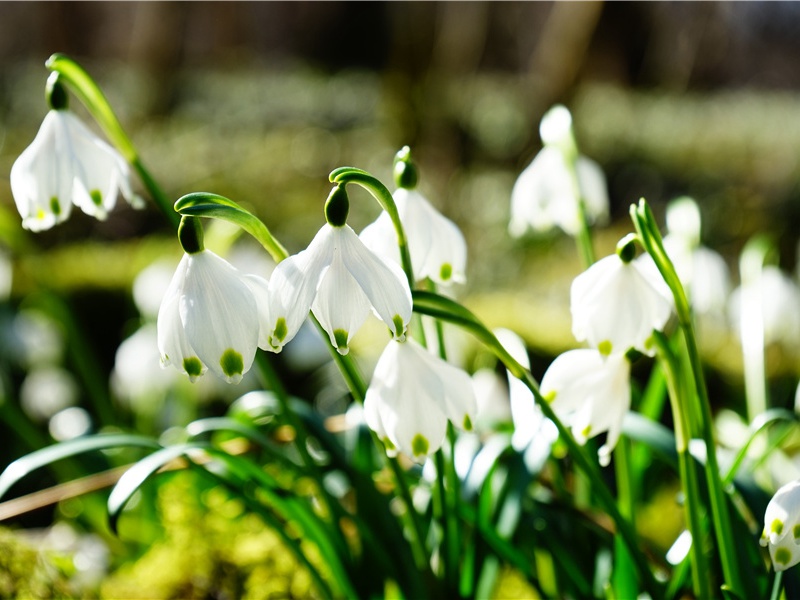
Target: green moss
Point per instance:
(28, 573)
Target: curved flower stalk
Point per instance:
(591, 392)
(615, 308)
(550, 190)
(412, 396)
(67, 164)
(782, 527)
(339, 279)
(437, 247)
(210, 317)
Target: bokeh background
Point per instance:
(259, 101)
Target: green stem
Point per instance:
(624, 582)
(97, 104)
(777, 586)
(651, 238)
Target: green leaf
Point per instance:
(35, 460)
(205, 204)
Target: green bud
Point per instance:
(337, 207)
(56, 93)
(190, 234)
(626, 248)
(405, 171)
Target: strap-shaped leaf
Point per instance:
(41, 458)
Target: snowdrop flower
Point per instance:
(437, 247)
(411, 397)
(67, 164)
(339, 279)
(592, 393)
(210, 315)
(782, 527)
(546, 194)
(614, 307)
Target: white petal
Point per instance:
(380, 237)
(260, 289)
(220, 315)
(443, 255)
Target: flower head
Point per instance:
(67, 164)
(339, 279)
(437, 247)
(591, 392)
(614, 306)
(210, 317)
(782, 527)
(411, 397)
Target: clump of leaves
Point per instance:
(27, 573)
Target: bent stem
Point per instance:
(646, 227)
(98, 106)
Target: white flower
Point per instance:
(67, 164)
(210, 317)
(782, 527)
(544, 195)
(339, 279)
(614, 307)
(411, 397)
(592, 393)
(437, 247)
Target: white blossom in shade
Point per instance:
(545, 196)
(591, 393)
(782, 527)
(411, 397)
(209, 318)
(779, 298)
(615, 307)
(339, 279)
(437, 247)
(67, 164)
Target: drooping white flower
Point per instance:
(614, 307)
(591, 392)
(437, 247)
(210, 317)
(67, 164)
(411, 397)
(782, 527)
(339, 279)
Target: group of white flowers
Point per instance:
(214, 317)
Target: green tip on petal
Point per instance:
(549, 396)
(782, 556)
(467, 423)
(340, 336)
(586, 431)
(605, 348)
(446, 272)
(193, 367)
(280, 331)
(776, 526)
(389, 444)
(97, 197)
(232, 365)
(420, 445)
(55, 206)
(399, 328)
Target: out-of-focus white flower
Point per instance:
(70, 423)
(210, 317)
(614, 307)
(150, 285)
(37, 339)
(491, 395)
(137, 370)
(46, 390)
(782, 527)
(437, 247)
(592, 393)
(339, 279)
(67, 164)
(780, 298)
(411, 397)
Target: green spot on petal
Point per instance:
(340, 337)
(586, 431)
(399, 327)
(549, 396)
(231, 363)
(55, 207)
(192, 366)
(96, 197)
(604, 347)
(782, 556)
(389, 445)
(419, 445)
(796, 532)
(446, 272)
(776, 526)
(280, 331)
(467, 423)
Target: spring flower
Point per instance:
(592, 393)
(782, 527)
(411, 397)
(67, 164)
(339, 279)
(614, 307)
(547, 193)
(437, 247)
(210, 317)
